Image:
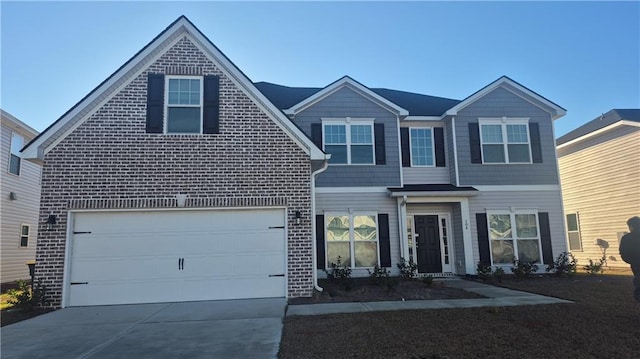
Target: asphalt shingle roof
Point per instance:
(417, 104)
(599, 122)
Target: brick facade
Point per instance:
(111, 162)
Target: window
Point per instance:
(24, 235)
(508, 245)
(184, 105)
(14, 158)
(422, 152)
(354, 238)
(349, 142)
(573, 232)
(505, 142)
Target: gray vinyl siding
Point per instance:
(601, 183)
(24, 210)
(427, 175)
(364, 202)
(542, 201)
(456, 225)
(451, 154)
(499, 103)
(347, 103)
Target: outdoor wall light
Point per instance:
(13, 196)
(51, 220)
(298, 216)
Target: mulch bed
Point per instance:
(10, 316)
(390, 289)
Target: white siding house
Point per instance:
(20, 200)
(600, 173)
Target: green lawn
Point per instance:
(602, 323)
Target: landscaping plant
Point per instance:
(26, 298)
(566, 264)
(408, 270)
(523, 269)
(595, 267)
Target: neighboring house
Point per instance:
(20, 200)
(600, 174)
(179, 179)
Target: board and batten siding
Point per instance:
(427, 175)
(24, 210)
(379, 203)
(496, 104)
(347, 103)
(601, 182)
(542, 201)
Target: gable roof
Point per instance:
(136, 65)
(600, 123)
(518, 89)
(285, 97)
(352, 84)
(13, 122)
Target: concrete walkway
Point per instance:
(496, 297)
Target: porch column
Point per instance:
(402, 218)
(470, 265)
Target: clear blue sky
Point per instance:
(584, 56)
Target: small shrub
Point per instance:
(427, 281)
(523, 269)
(25, 298)
(498, 274)
(379, 274)
(484, 271)
(566, 264)
(407, 269)
(338, 271)
(595, 267)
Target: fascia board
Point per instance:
(599, 131)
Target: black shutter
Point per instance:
(438, 142)
(545, 238)
(211, 105)
(404, 144)
(384, 240)
(378, 131)
(536, 148)
(483, 238)
(316, 134)
(155, 103)
(474, 143)
(320, 264)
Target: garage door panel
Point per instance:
(133, 257)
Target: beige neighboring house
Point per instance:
(600, 175)
(20, 188)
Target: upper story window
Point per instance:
(17, 142)
(514, 236)
(184, 104)
(573, 232)
(349, 141)
(422, 148)
(24, 235)
(505, 142)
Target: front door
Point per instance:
(428, 244)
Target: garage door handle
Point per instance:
(180, 263)
(276, 275)
(76, 283)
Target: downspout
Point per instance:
(313, 222)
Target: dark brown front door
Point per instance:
(428, 244)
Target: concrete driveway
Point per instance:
(249, 328)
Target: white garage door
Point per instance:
(168, 256)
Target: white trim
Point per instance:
(352, 239)
(180, 26)
(11, 154)
(346, 81)
(575, 213)
(351, 189)
(15, 124)
(455, 149)
(166, 103)
(433, 148)
(514, 235)
(411, 195)
(399, 135)
(517, 188)
(314, 228)
(422, 118)
(22, 225)
(441, 215)
(470, 264)
(498, 83)
(599, 131)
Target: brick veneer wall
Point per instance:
(110, 162)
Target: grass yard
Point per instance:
(602, 323)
